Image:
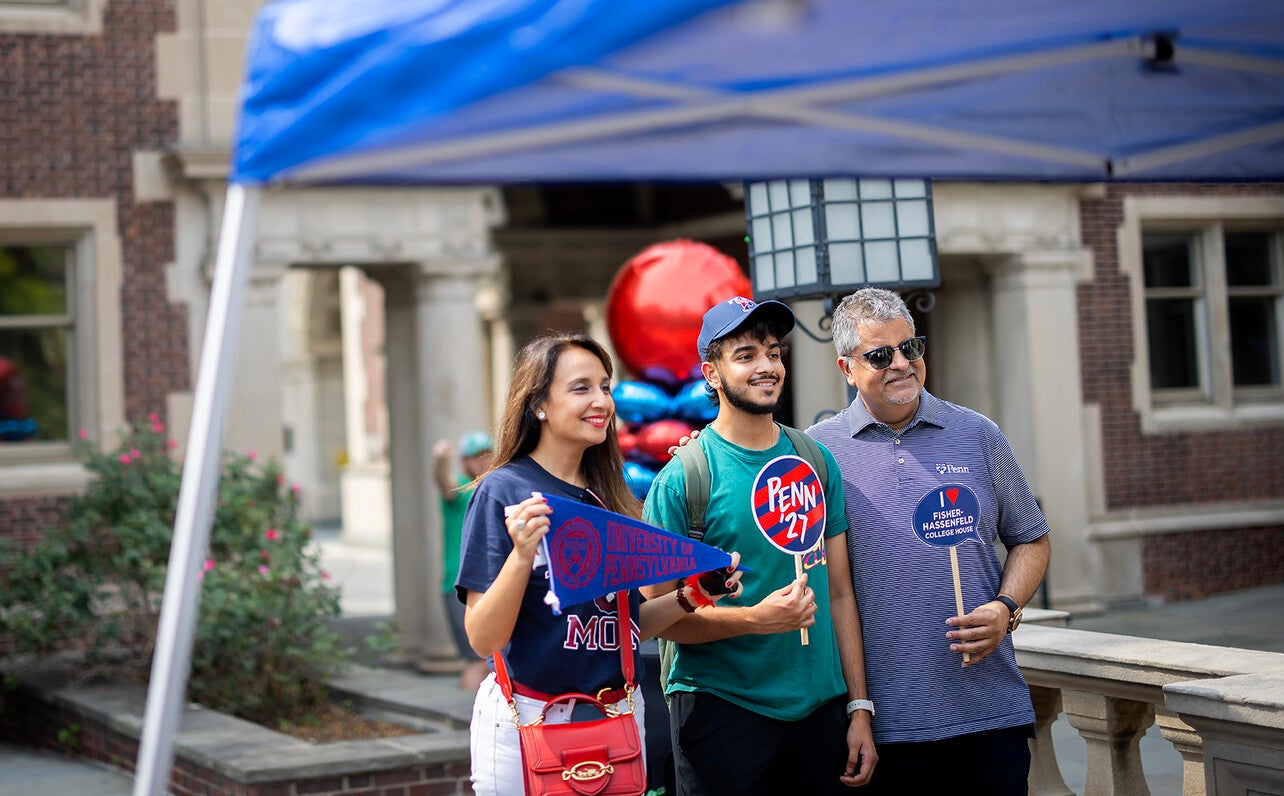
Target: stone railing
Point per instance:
(1222, 709)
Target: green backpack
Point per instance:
(695, 468)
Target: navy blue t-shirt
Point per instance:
(577, 651)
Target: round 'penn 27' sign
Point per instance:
(789, 504)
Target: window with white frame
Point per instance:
(1209, 295)
(37, 342)
(60, 339)
(56, 17)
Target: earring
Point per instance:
(541, 415)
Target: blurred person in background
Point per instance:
(457, 485)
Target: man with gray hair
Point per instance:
(954, 713)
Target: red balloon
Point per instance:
(655, 439)
(628, 442)
(656, 303)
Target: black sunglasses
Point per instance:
(881, 358)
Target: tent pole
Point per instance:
(171, 662)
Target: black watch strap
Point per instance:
(1009, 602)
(1014, 611)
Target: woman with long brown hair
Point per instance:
(557, 437)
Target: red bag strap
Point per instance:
(626, 654)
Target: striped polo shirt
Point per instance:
(904, 586)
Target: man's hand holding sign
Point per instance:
(788, 504)
(946, 517)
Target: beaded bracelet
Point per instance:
(684, 602)
(697, 596)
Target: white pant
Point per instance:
(497, 757)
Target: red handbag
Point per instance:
(601, 757)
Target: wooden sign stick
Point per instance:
(958, 590)
(798, 571)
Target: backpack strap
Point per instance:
(810, 450)
(695, 468)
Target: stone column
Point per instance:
(1045, 774)
(255, 420)
(438, 376)
(1112, 729)
(364, 479)
(1036, 343)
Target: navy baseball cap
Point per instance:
(727, 316)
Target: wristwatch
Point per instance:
(860, 704)
(1014, 611)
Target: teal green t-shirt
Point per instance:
(453, 507)
(771, 675)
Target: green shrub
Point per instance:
(91, 588)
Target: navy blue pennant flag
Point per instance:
(593, 552)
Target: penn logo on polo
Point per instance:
(943, 469)
(789, 504)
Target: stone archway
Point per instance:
(430, 250)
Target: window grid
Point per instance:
(1210, 341)
(868, 231)
(39, 347)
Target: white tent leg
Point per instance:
(171, 664)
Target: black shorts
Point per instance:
(991, 763)
(721, 748)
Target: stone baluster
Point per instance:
(1112, 729)
(1045, 774)
(1189, 745)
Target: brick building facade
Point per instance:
(1237, 463)
(78, 109)
(96, 96)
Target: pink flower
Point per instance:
(208, 565)
(272, 534)
(296, 489)
(135, 454)
(83, 433)
(280, 480)
(263, 570)
(171, 444)
(251, 455)
(152, 417)
(158, 428)
(325, 575)
(124, 458)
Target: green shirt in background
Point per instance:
(453, 507)
(771, 675)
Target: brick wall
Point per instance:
(33, 719)
(73, 110)
(22, 522)
(1189, 566)
(1159, 470)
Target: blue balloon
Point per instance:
(639, 478)
(639, 402)
(692, 403)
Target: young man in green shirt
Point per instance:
(753, 709)
(456, 488)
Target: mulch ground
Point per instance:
(336, 723)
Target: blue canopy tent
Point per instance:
(503, 91)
